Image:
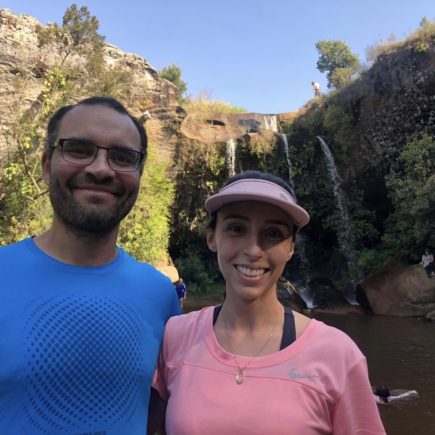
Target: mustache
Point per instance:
(89, 181)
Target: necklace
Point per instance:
(240, 373)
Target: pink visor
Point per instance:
(250, 189)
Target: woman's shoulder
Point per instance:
(337, 341)
(193, 321)
(184, 331)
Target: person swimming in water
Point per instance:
(383, 395)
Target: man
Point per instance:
(81, 321)
(316, 89)
(181, 290)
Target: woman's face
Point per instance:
(253, 241)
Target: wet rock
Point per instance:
(325, 294)
(289, 297)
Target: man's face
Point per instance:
(93, 198)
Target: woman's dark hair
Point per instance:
(383, 392)
(55, 120)
(255, 175)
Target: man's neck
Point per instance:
(78, 249)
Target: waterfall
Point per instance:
(302, 287)
(344, 233)
(289, 163)
(231, 156)
(271, 123)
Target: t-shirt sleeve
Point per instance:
(159, 379)
(356, 412)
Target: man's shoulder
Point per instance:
(145, 270)
(14, 248)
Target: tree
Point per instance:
(172, 73)
(338, 61)
(411, 185)
(79, 32)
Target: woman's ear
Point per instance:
(211, 241)
(292, 251)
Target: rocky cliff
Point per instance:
(24, 64)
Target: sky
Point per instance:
(259, 55)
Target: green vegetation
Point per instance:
(145, 231)
(411, 184)
(23, 203)
(172, 73)
(78, 34)
(337, 61)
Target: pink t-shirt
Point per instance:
(317, 385)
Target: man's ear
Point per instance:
(211, 241)
(46, 164)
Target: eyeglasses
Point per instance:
(83, 153)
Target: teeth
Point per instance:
(250, 272)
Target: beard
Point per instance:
(90, 218)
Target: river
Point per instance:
(400, 354)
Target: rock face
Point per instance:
(20, 56)
(401, 291)
(224, 126)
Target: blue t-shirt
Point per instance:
(78, 345)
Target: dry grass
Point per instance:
(203, 107)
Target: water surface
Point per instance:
(400, 354)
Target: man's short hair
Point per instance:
(55, 120)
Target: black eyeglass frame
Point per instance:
(59, 144)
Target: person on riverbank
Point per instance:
(181, 289)
(251, 366)
(427, 261)
(81, 320)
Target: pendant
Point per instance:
(239, 376)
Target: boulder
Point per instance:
(400, 291)
(289, 297)
(324, 293)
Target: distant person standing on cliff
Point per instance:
(316, 88)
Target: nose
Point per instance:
(100, 166)
(253, 248)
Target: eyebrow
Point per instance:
(269, 221)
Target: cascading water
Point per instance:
(344, 234)
(289, 163)
(302, 287)
(231, 156)
(271, 123)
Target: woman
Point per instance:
(250, 366)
